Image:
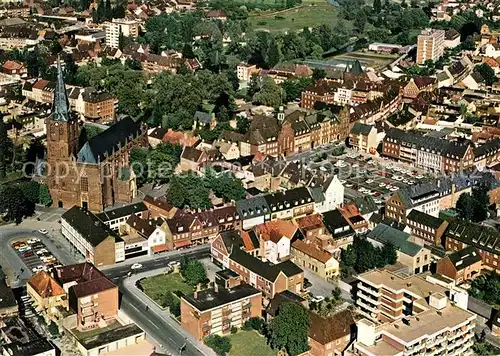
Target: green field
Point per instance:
(308, 15)
(157, 287)
(249, 343)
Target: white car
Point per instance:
(342, 181)
(394, 189)
(381, 185)
(136, 266)
(33, 241)
(419, 176)
(323, 169)
(348, 185)
(369, 181)
(43, 231)
(174, 264)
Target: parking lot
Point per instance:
(35, 254)
(367, 175)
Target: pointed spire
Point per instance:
(60, 106)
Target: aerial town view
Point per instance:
(249, 177)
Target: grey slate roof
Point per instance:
(425, 219)
(88, 225)
(209, 298)
(253, 207)
(399, 239)
(465, 257)
(361, 129)
(203, 117)
(122, 212)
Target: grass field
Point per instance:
(157, 287)
(308, 15)
(249, 343)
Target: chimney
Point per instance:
(195, 294)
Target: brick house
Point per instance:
(462, 234)
(416, 85)
(426, 227)
(91, 295)
(330, 335)
(322, 91)
(14, 68)
(461, 266)
(315, 259)
(216, 310)
(47, 294)
(270, 279)
(159, 207)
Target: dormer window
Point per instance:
(180, 228)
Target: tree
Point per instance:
(133, 64)
(254, 323)
(175, 192)
(14, 205)
(289, 329)
(389, 254)
(269, 93)
(348, 256)
(377, 6)
(44, 196)
(220, 344)
(31, 191)
(227, 186)
(318, 73)
(4, 144)
(242, 124)
(194, 273)
(487, 73)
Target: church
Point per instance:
(97, 174)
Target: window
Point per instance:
(84, 184)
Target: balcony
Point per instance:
(368, 290)
(369, 297)
(367, 306)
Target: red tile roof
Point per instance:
(275, 230)
(42, 83)
(88, 278)
(45, 286)
(13, 65)
(312, 251)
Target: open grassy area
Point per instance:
(249, 343)
(157, 287)
(91, 333)
(308, 15)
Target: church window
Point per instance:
(84, 184)
(61, 130)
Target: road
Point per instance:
(157, 323)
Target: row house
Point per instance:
(290, 203)
(439, 155)
(18, 37)
(417, 85)
(323, 91)
(487, 154)
(427, 228)
(429, 197)
(462, 265)
(156, 64)
(379, 108)
(186, 229)
(309, 256)
(363, 137)
(14, 10)
(462, 234)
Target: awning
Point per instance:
(159, 248)
(182, 243)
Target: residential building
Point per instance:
(309, 256)
(120, 27)
(462, 234)
(461, 266)
(91, 237)
(417, 85)
(245, 71)
(328, 196)
(222, 246)
(14, 68)
(91, 295)
(363, 138)
(215, 311)
(159, 207)
(443, 328)
(118, 217)
(253, 211)
(385, 297)
(414, 256)
(430, 45)
(8, 303)
(290, 203)
(275, 238)
(330, 335)
(268, 278)
(341, 231)
(426, 227)
(47, 295)
(141, 236)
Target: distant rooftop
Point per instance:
(209, 298)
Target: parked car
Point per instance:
(28, 254)
(43, 231)
(136, 266)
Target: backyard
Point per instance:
(249, 343)
(158, 287)
(307, 15)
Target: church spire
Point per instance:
(60, 106)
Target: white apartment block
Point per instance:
(430, 45)
(128, 28)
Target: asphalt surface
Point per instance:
(157, 323)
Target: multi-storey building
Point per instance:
(117, 27)
(430, 45)
(244, 71)
(426, 227)
(461, 266)
(309, 256)
(290, 203)
(462, 234)
(363, 137)
(428, 152)
(91, 237)
(215, 311)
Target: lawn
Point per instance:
(157, 287)
(91, 333)
(295, 19)
(249, 343)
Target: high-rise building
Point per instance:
(128, 28)
(430, 45)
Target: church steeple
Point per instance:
(60, 106)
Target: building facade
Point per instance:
(430, 45)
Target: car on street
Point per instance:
(136, 266)
(174, 264)
(43, 231)
(317, 299)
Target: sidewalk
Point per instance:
(130, 285)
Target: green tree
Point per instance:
(389, 254)
(318, 73)
(220, 344)
(377, 6)
(139, 163)
(194, 273)
(14, 205)
(487, 73)
(227, 186)
(481, 202)
(44, 195)
(269, 93)
(254, 323)
(348, 256)
(289, 329)
(31, 191)
(175, 192)
(4, 144)
(242, 124)
(465, 206)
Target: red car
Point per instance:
(28, 254)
